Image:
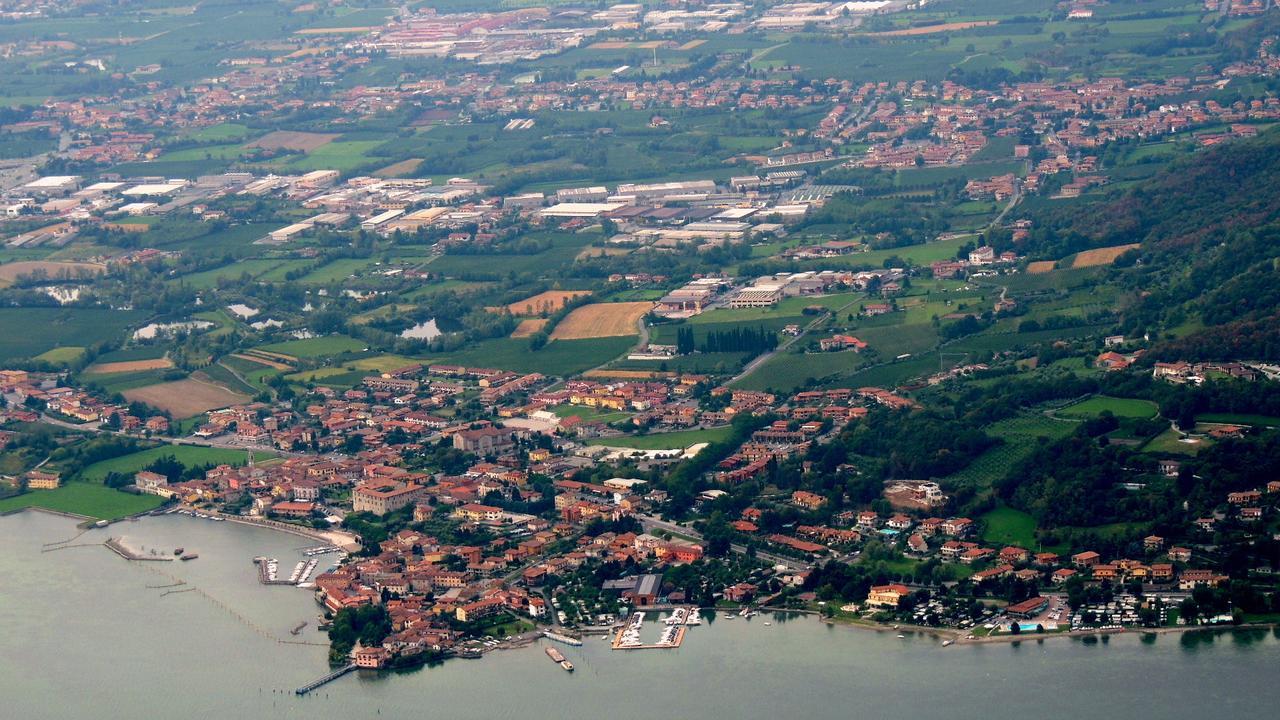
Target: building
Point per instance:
(152, 483)
(383, 496)
(40, 480)
(887, 596)
(1028, 608)
(484, 441)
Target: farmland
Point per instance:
(27, 332)
(184, 398)
(189, 455)
(601, 320)
(1020, 436)
(544, 302)
(126, 366)
(318, 347)
(1120, 407)
(1101, 256)
(10, 272)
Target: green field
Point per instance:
(1120, 407)
(189, 455)
(667, 441)
(62, 355)
(1021, 436)
(95, 501)
(1006, 526)
(561, 358)
(316, 347)
(30, 331)
(1170, 442)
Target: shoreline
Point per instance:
(958, 636)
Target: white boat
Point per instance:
(767, 623)
(945, 643)
(901, 635)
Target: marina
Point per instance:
(675, 626)
(739, 669)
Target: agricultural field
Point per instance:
(529, 327)
(128, 366)
(184, 398)
(292, 140)
(1120, 407)
(30, 331)
(88, 499)
(544, 302)
(318, 347)
(189, 455)
(1019, 435)
(1101, 256)
(11, 272)
(62, 355)
(601, 320)
(667, 441)
(560, 358)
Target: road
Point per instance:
(761, 359)
(225, 443)
(649, 523)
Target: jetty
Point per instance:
(118, 547)
(267, 568)
(562, 638)
(326, 679)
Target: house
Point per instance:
(152, 483)
(807, 500)
(740, 593)
(293, 509)
(1180, 554)
(1153, 543)
(887, 596)
(483, 441)
(41, 480)
(957, 527)
(1086, 559)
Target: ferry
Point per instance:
(190, 556)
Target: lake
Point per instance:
(82, 635)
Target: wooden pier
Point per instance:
(326, 679)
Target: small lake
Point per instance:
(428, 330)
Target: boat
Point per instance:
(901, 635)
(947, 642)
(767, 623)
(179, 551)
(728, 616)
(566, 665)
(190, 556)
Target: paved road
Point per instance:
(225, 443)
(649, 522)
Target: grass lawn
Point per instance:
(1170, 442)
(188, 455)
(62, 355)
(1006, 526)
(589, 413)
(97, 501)
(1120, 407)
(667, 441)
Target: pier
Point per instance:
(117, 546)
(266, 575)
(326, 679)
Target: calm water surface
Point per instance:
(82, 635)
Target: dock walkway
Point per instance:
(326, 679)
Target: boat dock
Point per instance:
(118, 547)
(627, 636)
(267, 568)
(561, 638)
(326, 679)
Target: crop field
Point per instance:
(601, 320)
(1040, 267)
(559, 357)
(1101, 256)
(529, 327)
(1021, 436)
(1120, 407)
(930, 29)
(61, 355)
(667, 441)
(786, 371)
(291, 140)
(188, 455)
(30, 331)
(90, 500)
(126, 366)
(275, 364)
(10, 272)
(544, 302)
(184, 398)
(316, 347)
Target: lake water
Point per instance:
(423, 331)
(81, 635)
